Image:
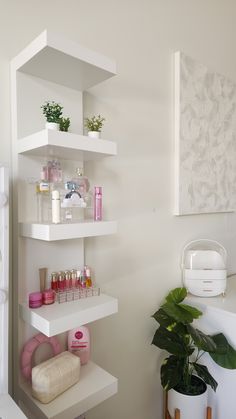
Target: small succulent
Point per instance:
(52, 111)
(64, 124)
(94, 123)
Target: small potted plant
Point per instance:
(52, 112)
(182, 375)
(94, 125)
(64, 124)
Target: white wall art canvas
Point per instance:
(205, 139)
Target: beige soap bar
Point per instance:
(52, 377)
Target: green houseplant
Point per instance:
(181, 370)
(52, 112)
(94, 125)
(64, 124)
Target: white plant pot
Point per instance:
(52, 125)
(191, 407)
(94, 134)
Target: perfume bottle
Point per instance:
(81, 182)
(97, 203)
(87, 274)
(56, 207)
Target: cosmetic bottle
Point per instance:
(67, 279)
(81, 181)
(79, 343)
(97, 203)
(61, 281)
(54, 282)
(87, 274)
(56, 206)
(73, 278)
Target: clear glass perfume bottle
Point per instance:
(81, 182)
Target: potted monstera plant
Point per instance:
(182, 373)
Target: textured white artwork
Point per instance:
(205, 139)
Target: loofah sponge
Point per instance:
(54, 376)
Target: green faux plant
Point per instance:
(94, 123)
(64, 124)
(52, 111)
(186, 345)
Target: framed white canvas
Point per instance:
(205, 139)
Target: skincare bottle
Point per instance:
(97, 203)
(79, 343)
(67, 279)
(87, 274)
(54, 282)
(61, 281)
(56, 206)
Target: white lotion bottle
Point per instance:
(56, 207)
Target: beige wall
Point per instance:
(141, 263)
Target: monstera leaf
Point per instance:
(202, 341)
(225, 354)
(172, 372)
(171, 342)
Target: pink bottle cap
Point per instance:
(97, 189)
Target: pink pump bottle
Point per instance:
(79, 343)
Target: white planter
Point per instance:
(191, 407)
(52, 125)
(94, 134)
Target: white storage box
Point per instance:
(54, 376)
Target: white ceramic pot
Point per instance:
(191, 407)
(94, 134)
(52, 125)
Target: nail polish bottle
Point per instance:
(97, 203)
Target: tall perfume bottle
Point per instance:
(97, 203)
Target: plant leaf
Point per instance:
(163, 319)
(192, 310)
(202, 341)
(177, 295)
(172, 372)
(202, 372)
(225, 354)
(179, 313)
(171, 342)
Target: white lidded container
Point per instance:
(204, 268)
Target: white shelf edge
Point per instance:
(58, 318)
(9, 409)
(53, 232)
(65, 145)
(95, 386)
(62, 55)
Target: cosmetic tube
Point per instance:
(56, 207)
(42, 278)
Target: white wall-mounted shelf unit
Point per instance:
(53, 58)
(65, 145)
(53, 68)
(82, 229)
(58, 318)
(95, 386)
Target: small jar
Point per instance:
(48, 297)
(35, 299)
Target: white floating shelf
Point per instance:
(51, 57)
(58, 318)
(95, 386)
(65, 145)
(51, 232)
